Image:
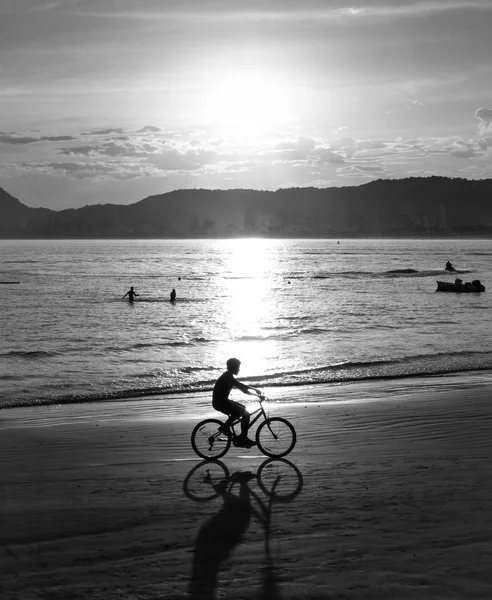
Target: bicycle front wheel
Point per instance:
(208, 442)
(276, 437)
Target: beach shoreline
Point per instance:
(386, 497)
(193, 403)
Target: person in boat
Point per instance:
(172, 295)
(449, 267)
(131, 294)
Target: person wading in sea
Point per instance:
(131, 295)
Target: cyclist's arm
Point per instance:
(246, 389)
(255, 391)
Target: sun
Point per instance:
(244, 106)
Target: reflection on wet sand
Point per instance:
(276, 480)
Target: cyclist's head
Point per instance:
(233, 365)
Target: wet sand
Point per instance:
(383, 498)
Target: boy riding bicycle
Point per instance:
(234, 410)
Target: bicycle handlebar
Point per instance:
(261, 395)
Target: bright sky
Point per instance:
(114, 100)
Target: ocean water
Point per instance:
(294, 311)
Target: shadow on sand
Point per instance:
(244, 495)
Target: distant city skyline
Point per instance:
(110, 102)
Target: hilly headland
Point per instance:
(411, 207)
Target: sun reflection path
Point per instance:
(247, 290)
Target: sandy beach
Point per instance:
(390, 497)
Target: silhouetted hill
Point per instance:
(15, 217)
(413, 207)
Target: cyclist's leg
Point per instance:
(223, 407)
(238, 411)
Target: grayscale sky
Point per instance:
(113, 100)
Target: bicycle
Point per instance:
(275, 436)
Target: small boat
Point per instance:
(459, 286)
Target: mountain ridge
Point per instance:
(410, 207)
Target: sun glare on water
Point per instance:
(249, 302)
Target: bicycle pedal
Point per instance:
(246, 445)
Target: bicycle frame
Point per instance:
(259, 412)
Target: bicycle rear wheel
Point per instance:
(208, 442)
(276, 437)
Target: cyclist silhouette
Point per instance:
(234, 410)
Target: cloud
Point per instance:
(368, 168)
(58, 138)
(81, 150)
(149, 129)
(485, 143)
(485, 116)
(107, 155)
(171, 160)
(156, 155)
(8, 139)
(45, 6)
(291, 148)
(327, 156)
(462, 149)
(224, 167)
(17, 140)
(416, 9)
(351, 10)
(72, 170)
(476, 171)
(470, 149)
(105, 131)
(353, 171)
(303, 144)
(95, 171)
(120, 148)
(343, 143)
(253, 9)
(371, 144)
